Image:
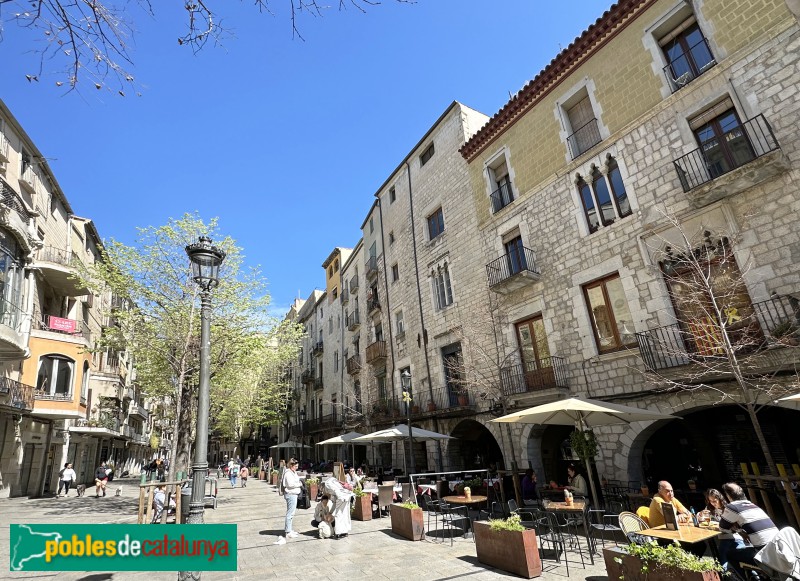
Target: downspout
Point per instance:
(421, 313)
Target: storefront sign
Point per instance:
(62, 325)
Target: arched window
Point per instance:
(55, 376)
(604, 198)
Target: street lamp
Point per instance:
(302, 432)
(206, 260)
(405, 380)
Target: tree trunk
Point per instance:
(183, 445)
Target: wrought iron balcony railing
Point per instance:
(353, 321)
(372, 266)
(373, 304)
(443, 399)
(520, 260)
(21, 396)
(318, 348)
(736, 148)
(11, 315)
(584, 138)
(58, 256)
(12, 199)
(376, 351)
(40, 394)
(345, 296)
(354, 364)
(354, 283)
(547, 373)
(318, 383)
(502, 197)
(772, 322)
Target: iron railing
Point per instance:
(353, 321)
(11, 315)
(12, 199)
(40, 394)
(755, 139)
(686, 68)
(137, 410)
(502, 197)
(319, 347)
(354, 365)
(681, 344)
(519, 260)
(584, 138)
(547, 373)
(345, 296)
(443, 399)
(376, 350)
(386, 409)
(21, 395)
(371, 266)
(54, 324)
(318, 383)
(354, 283)
(307, 376)
(373, 304)
(58, 256)
(30, 178)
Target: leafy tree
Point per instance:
(93, 38)
(161, 329)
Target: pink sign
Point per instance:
(59, 324)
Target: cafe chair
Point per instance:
(631, 526)
(526, 514)
(643, 512)
(779, 560)
(455, 517)
(551, 538)
(605, 521)
(432, 508)
(495, 512)
(406, 492)
(385, 493)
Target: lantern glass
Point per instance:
(405, 380)
(206, 260)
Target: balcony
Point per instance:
(376, 351)
(41, 395)
(353, 321)
(29, 179)
(746, 156)
(354, 284)
(354, 365)
(318, 383)
(128, 393)
(61, 268)
(138, 411)
(17, 395)
(53, 324)
(13, 200)
(318, 349)
(513, 271)
(307, 376)
(142, 439)
(584, 138)
(548, 373)
(688, 66)
(387, 409)
(502, 197)
(345, 297)
(4, 147)
(443, 402)
(371, 266)
(128, 432)
(373, 305)
(12, 324)
(759, 340)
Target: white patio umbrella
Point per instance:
(795, 397)
(344, 439)
(400, 432)
(290, 444)
(583, 414)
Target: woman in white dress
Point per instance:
(340, 497)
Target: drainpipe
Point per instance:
(421, 314)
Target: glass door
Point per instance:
(537, 366)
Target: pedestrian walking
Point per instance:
(100, 479)
(243, 474)
(66, 477)
(233, 473)
(290, 487)
(161, 470)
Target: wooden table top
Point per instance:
(475, 499)
(576, 506)
(687, 534)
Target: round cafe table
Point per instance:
(475, 499)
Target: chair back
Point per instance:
(406, 492)
(630, 523)
(442, 489)
(643, 512)
(385, 492)
(512, 505)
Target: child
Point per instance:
(323, 516)
(243, 474)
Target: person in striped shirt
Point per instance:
(750, 521)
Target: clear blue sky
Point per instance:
(286, 141)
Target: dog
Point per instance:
(119, 491)
(80, 489)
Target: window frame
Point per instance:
(427, 154)
(602, 174)
(618, 344)
(435, 222)
(442, 286)
(395, 272)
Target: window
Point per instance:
(534, 352)
(330, 325)
(395, 273)
(399, 325)
(371, 226)
(687, 53)
(336, 265)
(426, 155)
(335, 293)
(502, 192)
(12, 278)
(25, 162)
(330, 272)
(722, 139)
(608, 310)
(583, 126)
(442, 291)
(381, 379)
(335, 361)
(454, 376)
(391, 237)
(515, 253)
(435, 224)
(392, 196)
(55, 376)
(603, 196)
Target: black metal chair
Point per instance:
(432, 508)
(455, 517)
(605, 521)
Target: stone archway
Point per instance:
(474, 446)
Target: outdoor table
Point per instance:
(687, 534)
(576, 508)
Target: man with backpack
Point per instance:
(233, 472)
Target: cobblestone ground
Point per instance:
(370, 552)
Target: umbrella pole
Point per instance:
(589, 471)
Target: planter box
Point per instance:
(631, 568)
(262, 475)
(274, 479)
(407, 522)
(363, 507)
(512, 551)
(313, 490)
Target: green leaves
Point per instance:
(583, 444)
(653, 554)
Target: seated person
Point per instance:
(666, 495)
(715, 507)
(577, 483)
(380, 477)
(529, 493)
(741, 515)
(322, 512)
(352, 478)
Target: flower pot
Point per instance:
(630, 567)
(463, 401)
(274, 479)
(645, 491)
(362, 507)
(512, 551)
(262, 475)
(313, 490)
(414, 409)
(431, 406)
(407, 522)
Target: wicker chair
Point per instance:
(631, 526)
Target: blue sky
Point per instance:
(285, 140)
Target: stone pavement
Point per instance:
(370, 552)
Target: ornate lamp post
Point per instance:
(206, 260)
(405, 380)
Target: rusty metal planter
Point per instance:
(407, 522)
(513, 551)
